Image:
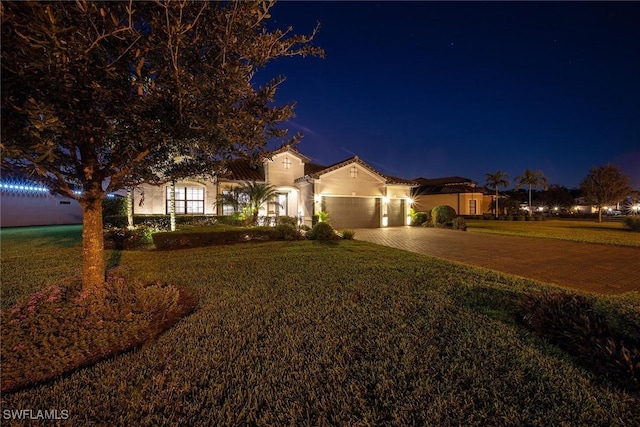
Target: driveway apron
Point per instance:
(597, 268)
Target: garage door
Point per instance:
(395, 212)
(352, 212)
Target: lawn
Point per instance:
(608, 233)
(305, 333)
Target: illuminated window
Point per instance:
(354, 172)
(189, 200)
(286, 163)
(472, 207)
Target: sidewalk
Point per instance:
(590, 267)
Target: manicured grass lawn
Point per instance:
(608, 233)
(304, 333)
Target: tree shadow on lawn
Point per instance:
(160, 322)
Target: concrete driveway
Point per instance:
(591, 267)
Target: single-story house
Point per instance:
(460, 193)
(353, 193)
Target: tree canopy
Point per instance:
(605, 185)
(531, 179)
(100, 96)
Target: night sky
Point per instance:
(433, 89)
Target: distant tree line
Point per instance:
(602, 187)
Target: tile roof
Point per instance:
(448, 180)
(312, 168)
(243, 170)
(445, 189)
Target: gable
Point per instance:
(353, 172)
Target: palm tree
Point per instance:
(258, 194)
(533, 179)
(495, 181)
(232, 197)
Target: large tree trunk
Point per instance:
(93, 264)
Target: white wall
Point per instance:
(17, 210)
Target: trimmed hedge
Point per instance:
(162, 221)
(632, 223)
(197, 238)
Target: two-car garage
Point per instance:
(362, 212)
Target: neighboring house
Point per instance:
(25, 203)
(462, 194)
(352, 192)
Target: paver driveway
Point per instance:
(591, 267)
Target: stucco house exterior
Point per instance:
(460, 193)
(353, 193)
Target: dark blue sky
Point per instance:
(437, 89)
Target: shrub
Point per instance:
(208, 237)
(571, 322)
(459, 223)
(61, 328)
(125, 238)
(487, 217)
(538, 218)
(322, 231)
(288, 232)
(114, 206)
(632, 223)
(161, 222)
(287, 220)
(348, 234)
(114, 221)
(419, 218)
(323, 217)
(442, 214)
(236, 219)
